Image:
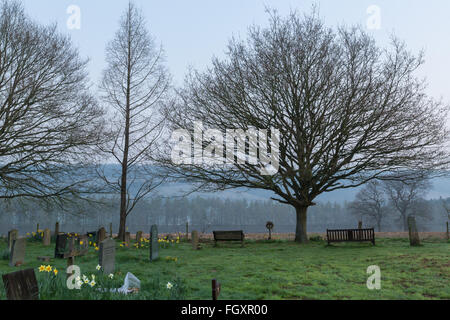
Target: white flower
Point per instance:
(93, 276)
(99, 267)
(111, 276)
(79, 283)
(92, 283)
(84, 278)
(169, 285)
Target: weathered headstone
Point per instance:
(101, 235)
(21, 285)
(47, 238)
(127, 239)
(154, 245)
(44, 259)
(107, 255)
(194, 240)
(12, 235)
(414, 239)
(17, 256)
(216, 286)
(139, 238)
(83, 245)
(60, 246)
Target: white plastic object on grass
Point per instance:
(130, 284)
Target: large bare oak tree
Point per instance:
(347, 110)
(134, 84)
(49, 122)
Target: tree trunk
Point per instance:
(301, 235)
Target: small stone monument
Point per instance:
(107, 255)
(154, 245)
(194, 240)
(139, 238)
(12, 235)
(60, 246)
(101, 235)
(47, 238)
(414, 239)
(17, 256)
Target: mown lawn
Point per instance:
(278, 269)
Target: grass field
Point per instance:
(277, 269)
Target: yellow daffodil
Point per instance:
(48, 269)
(55, 271)
(41, 268)
(96, 248)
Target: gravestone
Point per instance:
(101, 235)
(17, 256)
(12, 235)
(21, 285)
(60, 246)
(56, 229)
(154, 245)
(194, 240)
(216, 286)
(414, 239)
(107, 255)
(46, 239)
(127, 239)
(139, 238)
(83, 243)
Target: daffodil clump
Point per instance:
(166, 241)
(174, 259)
(35, 236)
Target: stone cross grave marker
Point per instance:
(194, 240)
(107, 256)
(154, 245)
(12, 235)
(139, 238)
(21, 285)
(414, 239)
(101, 235)
(17, 256)
(47, 237)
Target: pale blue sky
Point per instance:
(195, 30)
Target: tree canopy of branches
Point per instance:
(407, 197)
(347, 111)
(134, 84)
(49, 122)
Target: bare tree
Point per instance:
(407, 197)
(134, 84)
(347, 111)
(49, 122)
(370, 202)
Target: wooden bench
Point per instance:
(228, 236)
(351, 235)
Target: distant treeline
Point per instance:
(202, 214)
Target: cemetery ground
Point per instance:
(262, 269)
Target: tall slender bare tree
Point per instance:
(135, 84)
(371, 202)
(49, 121)
(347, 111)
